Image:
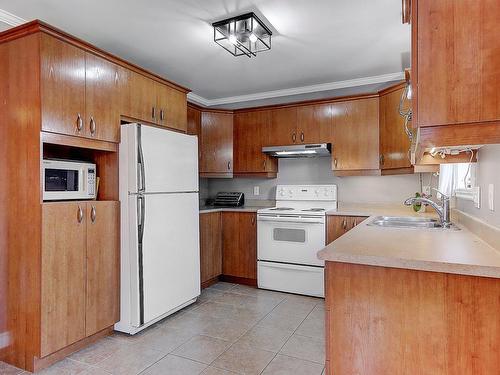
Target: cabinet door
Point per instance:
(355, 135)
(217, 145)
(239, 245)
(63, 275)
(250, 129)
(394, 143)
(103, 265)
(210, 246)
(104, 88)
(62, 86)
(336, 226)
(141, 98)
(457, 61)
(314, 124)
(283, 129)
(172, 107)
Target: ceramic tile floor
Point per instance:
(231, 329)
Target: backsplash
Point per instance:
(487, 173)
(362, 189)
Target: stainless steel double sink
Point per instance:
(408, 222)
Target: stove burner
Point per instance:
(314, 210)
(281, 209)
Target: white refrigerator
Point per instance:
(160, 251)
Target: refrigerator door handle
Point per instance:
(141, 177)
(141, 210)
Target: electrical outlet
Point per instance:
(256, 190)
(491, 197)
(426, 190)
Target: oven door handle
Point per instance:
(307, 220)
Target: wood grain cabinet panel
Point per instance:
(283, 130)
(337, 226)
(105, 85)
(62, 87)
(194, 127)
(141, 98)
(210, 246)
(314, 124)
(217, 145)
(394, 143)
(103, 265)
(171, 107)
(355, 135)
(251, 132)
(456, 53)
(239, 245)
(63, 275)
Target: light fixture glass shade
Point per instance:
(244, 35)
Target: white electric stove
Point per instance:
(289, 237)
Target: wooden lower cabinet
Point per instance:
(103, 265)
(336, 226)
(239, 246)
(80, 271)
(210, 246)
(64, 244)
(397, 321)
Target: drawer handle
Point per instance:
(92, 125)
(229, 165)
(93, 214)
(162, 115)
(302, 137)
(153, 113)
(294, 137)
(344, 224)
(79, 216)
(79, 123)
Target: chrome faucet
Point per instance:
(442, 210)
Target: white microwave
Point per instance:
(67, 180)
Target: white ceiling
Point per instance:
(319, 45)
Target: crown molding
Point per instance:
(297, 90)
(10, 19)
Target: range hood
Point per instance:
(299, 151)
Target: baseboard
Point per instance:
(41, 363)
(239, 280)
(212, 281)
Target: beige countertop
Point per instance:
(438, 250)
(374, 209)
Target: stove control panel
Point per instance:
(306, 192)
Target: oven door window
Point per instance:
(61, 180)
(289, 235)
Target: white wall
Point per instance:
(371, 189)
(488, 172)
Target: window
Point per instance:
(459, 180)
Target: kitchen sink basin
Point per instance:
(409, 222)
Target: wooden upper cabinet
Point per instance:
(456, 55)
(355, 135)
(394, 143)
(62, 87)
(105, 86)
(283, 129)
(171, 107)
(251, 131)
(194, 126)
(217, 145)
(141, 98)
(103, 265)
(314, 124)
(239, 244)
(63, 275)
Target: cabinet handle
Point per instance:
(355, 223)
(294, 137)
(335, 162)
(302, 137)
(79, 123)
(265, 163)
(153, 113)
(162, 115)
(93, 214)
(344, 224)
(229, 165)
(253, 220)
(92, 125)
(382, 160)
(79, 215)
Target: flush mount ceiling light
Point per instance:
(244, 35)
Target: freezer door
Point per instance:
(170, 160)
(170, 253)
